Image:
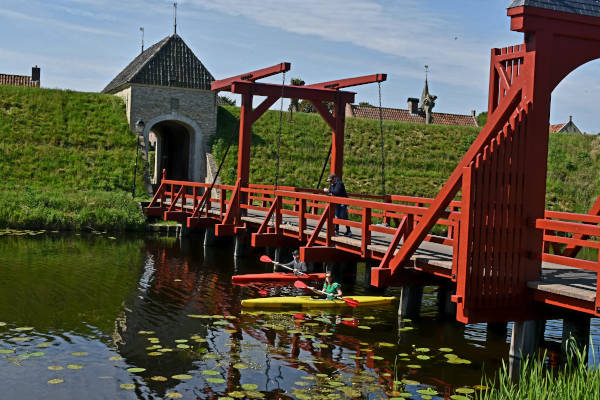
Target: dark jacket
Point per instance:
(297, 265)
(338, 189)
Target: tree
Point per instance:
(365, 104)
(482, 118)
(226, 101)
(294, 104)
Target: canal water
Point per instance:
(100, 317)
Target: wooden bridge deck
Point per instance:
(556, 279)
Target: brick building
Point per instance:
(565, 127)
(168, 88)
(22, 80)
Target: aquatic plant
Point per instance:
(574, 380)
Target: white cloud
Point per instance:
(60, 24)
(403, 29)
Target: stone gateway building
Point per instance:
(168, 89)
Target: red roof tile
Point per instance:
(18, 80)
(396, 114)
(557, 127)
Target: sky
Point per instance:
(83, 44)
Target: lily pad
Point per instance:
(254, 394)
(445, 349)
(79, 353)
(215, 380)
(230, 330)
(376, 358)
(240, 366)
(24, 328)
(464, 390)
(155, 353)
(363, 327)
(325, 333)
(423, 357)
(410, 382)
(159, 378)
(36, 354)
(55, 381)
(183, 346)
(115, 358)
(20, 339)
(249, 386)
(6, 351)
(322, 375)
(237, 394)
(347, 319)
(355, 357)
(2, 323)
(165, 350)
(210, 372)
(385, 344)
(55, 367)
(300, 383)
(174, 395)
(181, 341)
(335, 383)
(74, 366)
(406, 328)
(414, 366)
(136, 370)
(146, 332)
(127, 386)
(422, 349)
(44, 344)
(428, 391)
(182, 377)
(459, 397)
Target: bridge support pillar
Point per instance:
(410, 301)
(575, 336)
(446, 308)
(209, 236)
(241, 245)
(524, 342)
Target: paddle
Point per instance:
(267, 259)
(350, 302)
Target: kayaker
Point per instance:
(331, 288)
(298, 266)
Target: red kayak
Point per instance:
(277, 276)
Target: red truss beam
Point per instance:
(344, 83)
(290, 92)
(225, 84)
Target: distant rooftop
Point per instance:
(396, 114)
(582, 7)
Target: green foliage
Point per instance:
(365, 104)
(419, 158)
(67, 161)
(572, 381)
(227, 100)
(482, 118)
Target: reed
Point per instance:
(573, 381)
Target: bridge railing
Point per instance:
(561, 228)
(303, 209)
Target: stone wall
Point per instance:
(194, 108)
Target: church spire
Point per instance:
(425, 88)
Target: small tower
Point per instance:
(427, 101)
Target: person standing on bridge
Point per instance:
(299, 267)
(337, 188)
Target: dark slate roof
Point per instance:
(169, 62)
(583, 7)
(396, 114)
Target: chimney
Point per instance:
(35, 74)
(570, 118)
(473, 113)
(413, 106)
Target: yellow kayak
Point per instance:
(309, 302)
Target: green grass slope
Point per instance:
(419, 158)
(66, 161)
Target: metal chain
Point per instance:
(382, 144)
(279, 134)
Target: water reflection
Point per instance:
(98, 307)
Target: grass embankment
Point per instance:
(66, 161)
(419, 158)
(573, 381)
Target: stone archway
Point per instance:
(179, 148)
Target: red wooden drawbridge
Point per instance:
(502, 248)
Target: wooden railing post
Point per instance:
(222, 203)
(366, 231)
(386, 219)
(278, 217)
(330, 224)
(302, 220)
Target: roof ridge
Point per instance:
(159, 46)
